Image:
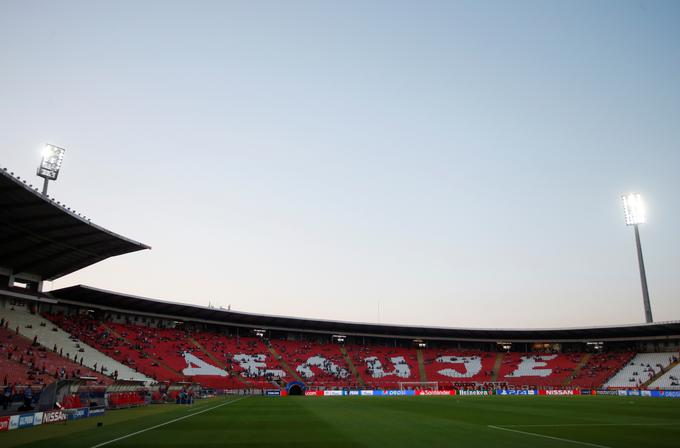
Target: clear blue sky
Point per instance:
(459, 163)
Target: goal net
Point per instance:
(419, 385)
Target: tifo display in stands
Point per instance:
(229, 361)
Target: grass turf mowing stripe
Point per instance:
(547, 437)
(165, 423)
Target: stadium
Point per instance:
(83, 366)
(339, 224)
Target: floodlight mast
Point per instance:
(635, 214)
(52, 158)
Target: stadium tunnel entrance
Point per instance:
(295, 388)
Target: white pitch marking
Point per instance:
(547, 437)
(557, 425)
(166, 423)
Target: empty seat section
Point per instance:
(669, 380)
(640, 369)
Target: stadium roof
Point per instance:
(41, 237)
(99, 298)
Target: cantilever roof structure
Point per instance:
(108, 300)
(38, 236)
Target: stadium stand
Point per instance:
(50, 335)
(384, 367)
(670, 379)
(316, 364)
(229, 362)
(221, 351)
(25, 362)
(538, 369)
(456, 366)
(640, 369)
(599, 368)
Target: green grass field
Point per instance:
(375, 422)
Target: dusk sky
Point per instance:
(429, 163)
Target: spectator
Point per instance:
(28, 397)
(6, 396)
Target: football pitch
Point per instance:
(594, 421)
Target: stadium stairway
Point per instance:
(641, 369)
(352, 368)
(666, 371)
(48, 334)
(582, 363)
(669, 379)
(421, 366)
(497, 366)
(160, 362)
(284, 364)
(221, 364)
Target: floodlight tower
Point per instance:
(635, 213)
(52, 157)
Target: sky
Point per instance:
(454, 163)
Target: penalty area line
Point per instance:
(166, 423)
(500, 428)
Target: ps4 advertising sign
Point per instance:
(515, 392)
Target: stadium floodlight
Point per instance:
(597, 346)
(504, 345)
(339, 338)
(52, 158)
(634, 209)
(635, 214)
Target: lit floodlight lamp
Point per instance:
(635, 213)
(634, 209)
(52, 158)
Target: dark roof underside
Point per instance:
(40, 237)
(88, 296)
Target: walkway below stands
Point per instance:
(352, 367)
(577, 370)
(667, 378)
(497, 366)
(421, 366)
(284, 364)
